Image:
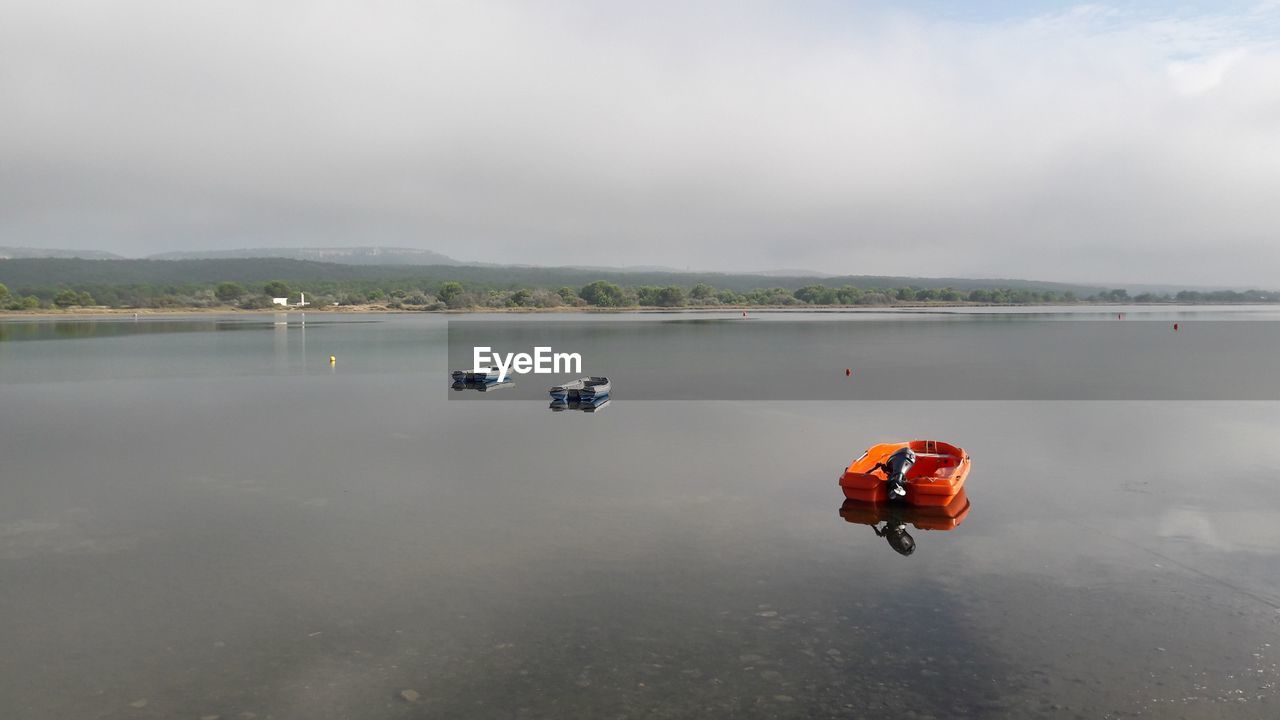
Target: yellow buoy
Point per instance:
(333, 359)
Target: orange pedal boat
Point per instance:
(934, 479)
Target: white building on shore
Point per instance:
(284, 301)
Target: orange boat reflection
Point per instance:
(897, 516)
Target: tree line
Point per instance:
(453, 294)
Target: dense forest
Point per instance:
(29, 284)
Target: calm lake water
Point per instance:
(203, 517)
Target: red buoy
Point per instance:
(1175, 327)
(847, 372)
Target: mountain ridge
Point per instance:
(27, 253)
(76, 272)
(374, 255)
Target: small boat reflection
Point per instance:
(481, 386)
(897, 516)
(587, 388)
(591, 405)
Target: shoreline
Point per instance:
(105, 312)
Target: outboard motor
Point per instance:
(895, 468)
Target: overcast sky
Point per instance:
(1098, 143)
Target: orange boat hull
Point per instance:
(934, 481)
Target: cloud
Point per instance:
(1089, 144)
(1203, 75)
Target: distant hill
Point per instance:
(341, 255)
(25, 252)
(74, 272)
(601, 268)
(1139, 288)
(790, 272)
(70, 272)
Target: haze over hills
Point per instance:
(791, 272)
(376, 255)
(342, 255)
(400, 262)
(74, 272)
(7, 253)
(388, 256)
(328, 263)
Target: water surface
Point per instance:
(205, 518)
